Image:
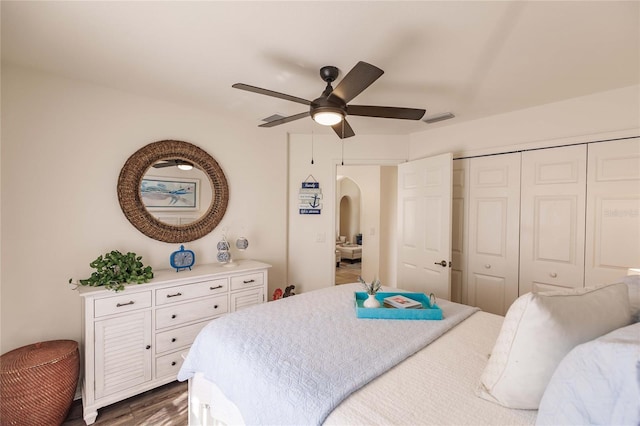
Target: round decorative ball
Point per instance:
(223, 245)
(224, 256)
(242, 243)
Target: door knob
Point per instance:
(442, 263)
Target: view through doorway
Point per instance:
(349, 239)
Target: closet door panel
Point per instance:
(459, 230)
(494, 218)
(492, 296)
(553, 218)
(613, 211)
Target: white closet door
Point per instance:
(494, 221)
(424, 225)
(613, 211)
(459, 238)
(553, 218)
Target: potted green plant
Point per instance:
(114, 269)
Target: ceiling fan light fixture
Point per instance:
(328, 117)
(185, 167)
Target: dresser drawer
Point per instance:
(193, 311)
(247, 280)
(121, 303)
(191, 291)
(178, 338)
(168, 365)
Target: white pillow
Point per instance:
(596, 383)
(539, 330)
(633, 282)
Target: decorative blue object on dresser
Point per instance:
(182, 259)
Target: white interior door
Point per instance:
(494, 243)
(424, 225)
(553, 218)
(613, 211)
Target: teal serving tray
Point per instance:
(428, 312)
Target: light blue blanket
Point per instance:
(292, 361)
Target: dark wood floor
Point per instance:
(163, 406)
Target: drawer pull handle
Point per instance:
(553, 275)
(173, 363)
(249, 281)
(215, 288)
(215, 306)
(174, 295)
(173, 316)
(148, 347)
(173, 340)
(488, 266)
(119, 305)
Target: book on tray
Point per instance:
(401, 302)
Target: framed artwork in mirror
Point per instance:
(167, 194)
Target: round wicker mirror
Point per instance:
(133, 207)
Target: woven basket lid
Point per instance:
(37, 354)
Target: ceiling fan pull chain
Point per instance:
(342, 140)
(311, 146)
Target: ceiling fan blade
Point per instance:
(285, 119)
(270, 93)
(171, 163)
(161, 165)
(345, 132)
(385, 112)
(359, 78)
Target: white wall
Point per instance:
(388, 224)
(63, 145)
(583, 119)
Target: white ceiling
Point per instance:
(473, 58)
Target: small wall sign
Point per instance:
(310, 196)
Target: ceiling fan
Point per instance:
(181, 164)
(331, 108)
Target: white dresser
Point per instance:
(134, 339)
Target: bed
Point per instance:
(441, 379)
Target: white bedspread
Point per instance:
(435, 386)
(294, 360)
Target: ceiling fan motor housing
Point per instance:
(329, 73)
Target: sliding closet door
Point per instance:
(459, 238)
(553, 218)
(613, 211)
(494, 222)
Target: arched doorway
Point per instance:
(348, 251)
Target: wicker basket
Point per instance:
(38, 383)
